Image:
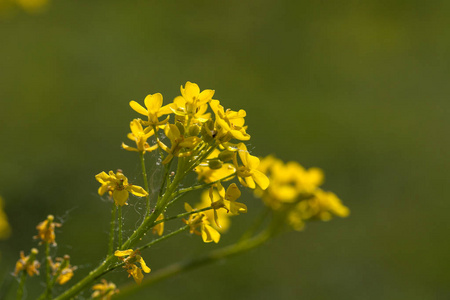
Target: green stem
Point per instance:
(92, 276)
(23, 278)
(144, 176)
(182, 215)
(186, 265)
(112, 229)
(120, 226)
(48, 292)
(163, 237)
(47, 267)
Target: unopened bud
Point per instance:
(226, 155)
(215, 164)
(194, 130)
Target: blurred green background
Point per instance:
(358, 88)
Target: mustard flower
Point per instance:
(208, 175)
(117, 185)
(222, 215)
(154, 110)
(178, 143)
(159, 228)
(229, 124)
(67, 271)
(248, 173)
(104, 290)
(200, 221)
(28, 263)
(139, 136)
(192, 103)
(46, 230)
(130, 257)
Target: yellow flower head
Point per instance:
(248, 172)
(63, 267)
(130, 257)
(209, 175)
(28, 263)
(154, 110)
(104, 290)
(200, 221)
(192, 103)
(180, 145)
(139, 136)
(46, 230)
(159, 228)
(117, 185)
(229, 124)
(295, 190)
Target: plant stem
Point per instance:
(112, 230)
(47, 267)
(120, 227)
(144, 177)
(23, 278)
(186, 265)
(182, 215)
(164, 237)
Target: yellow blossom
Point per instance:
(46, 230)
(67, 270)
(192, 104)
(159, 228)
(223, 217)
(209, 175)
(139, 136)
(178, 143)
(154, 110)
(229, 124)
(104, 290)
(130, 257)
(200, 221)
(117, 185)
(28, 263)
(248, 173)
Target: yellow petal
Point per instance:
(121, 253)
(137, 190)
(120, 197)
(144, 266)
(138, 108)
(233, 192)
(153, 103)
(261, 179)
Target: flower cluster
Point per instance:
(295, 191)
(130, 257)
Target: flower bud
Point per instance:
(215, 164)
(194, 130)
(226, 155)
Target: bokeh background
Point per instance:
(358, 88)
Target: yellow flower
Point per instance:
(117, 185)
(104, 290)
(159, 228)
(191, 106)
(67, 271)
(28, 263)
(5, 229)
(229, 124)
(223, 218)
(32, 6)
(178, 143)
(140, 136)
(199, 220)
(209, 175)
(133, 257)
(46, 230)
(248, 173)
(154, 110)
